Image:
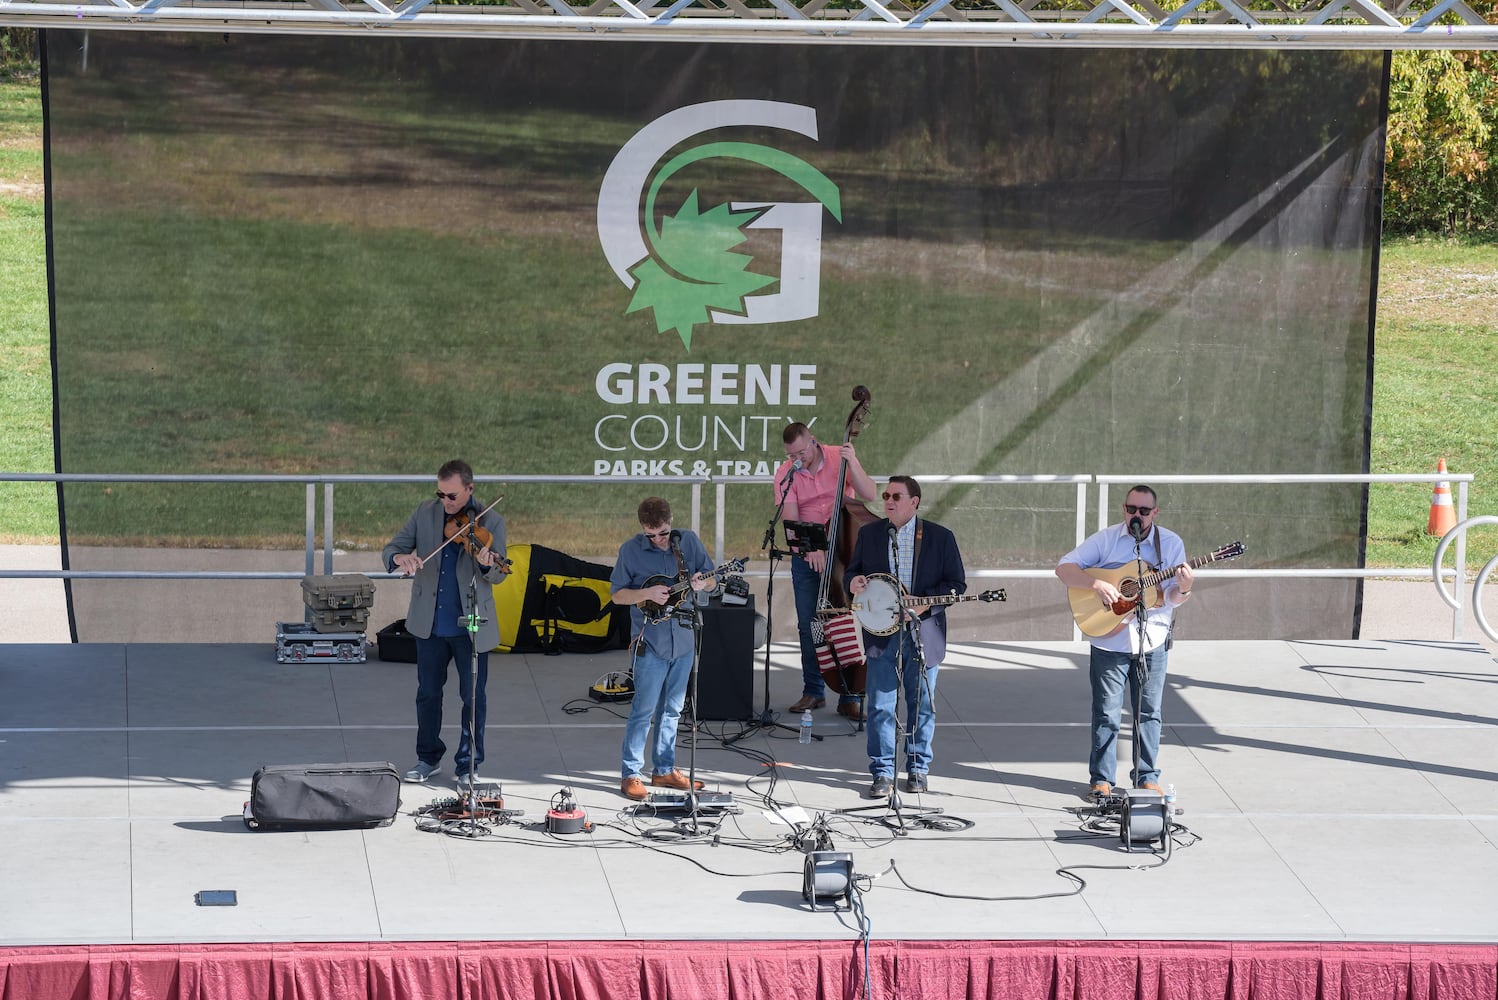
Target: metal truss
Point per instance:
(1237, 24)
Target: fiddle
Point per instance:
(471, 536)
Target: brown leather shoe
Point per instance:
(634, 788)
(1150, 786)
(675, 780)
(1100, 789)
(851, 709)
(806, 702)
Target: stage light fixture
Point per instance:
(1145, 818)
(827, 881)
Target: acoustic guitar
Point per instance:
(1096, 621)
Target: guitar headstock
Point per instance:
(1232, 550)
(731, 566)
(989, 596)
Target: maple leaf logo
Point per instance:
(697, 270)
(691, 271)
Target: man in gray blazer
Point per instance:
(450, 585)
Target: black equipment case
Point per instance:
(340, 795)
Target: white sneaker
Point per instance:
(422, 772)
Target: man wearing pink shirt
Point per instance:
(808, 481)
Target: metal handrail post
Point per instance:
(311, 531)
(720, 522)
(1459, 612)
(327, 528)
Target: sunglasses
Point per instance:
(893, 496)
(447, 496)
(658, 534)
(1145, 511)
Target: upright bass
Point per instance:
(836, 634)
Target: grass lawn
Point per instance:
(1437, 348)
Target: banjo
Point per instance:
(878, 609)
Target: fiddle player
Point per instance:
(664, 649)
(808, 481)
(923, 556)
(446, 588)
(1112, 655)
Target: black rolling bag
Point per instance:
(323, 796)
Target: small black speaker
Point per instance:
(725, 674)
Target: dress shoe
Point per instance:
(675, 780)
(634, 788)
(881, 788)
(916, 783)
(851, 709)
(1100, 790)
(807, 702)
(1150, 786)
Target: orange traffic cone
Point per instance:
(1442, 514)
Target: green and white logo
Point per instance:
(683, 266)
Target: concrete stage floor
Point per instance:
(1339, 791)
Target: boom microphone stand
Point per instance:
(766, 718)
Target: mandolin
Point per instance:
(657, 613)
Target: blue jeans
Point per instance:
(660, 690)
(805, 585)
(884, 687)
(432, 656)
(1110, 671)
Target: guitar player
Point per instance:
(663, 649)
(1110, 548)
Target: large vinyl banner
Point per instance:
(623, 259)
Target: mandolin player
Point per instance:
(1113, 547)
(663, 650)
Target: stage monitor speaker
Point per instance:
(725, 675)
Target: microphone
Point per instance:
(1136, 529)
(894, 532)
(675, 535)
(796, 466)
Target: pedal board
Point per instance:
(679, 800)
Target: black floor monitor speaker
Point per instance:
(725, 674)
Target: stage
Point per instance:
(1330, 792)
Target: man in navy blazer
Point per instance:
(923, 557)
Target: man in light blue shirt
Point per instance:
(1122, 544)
(650, 563)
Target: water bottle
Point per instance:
(806, 726)
(1170, 798)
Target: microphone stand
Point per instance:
(766, 718)
(471, 622)
(693, 621)
(1138, 661)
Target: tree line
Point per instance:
(1440, 150)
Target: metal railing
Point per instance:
(1082, 483)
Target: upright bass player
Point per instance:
(808, 479)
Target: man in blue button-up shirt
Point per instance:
(649, 565)
(1112, 654)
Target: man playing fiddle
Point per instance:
(808, 481)
(448, 587)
